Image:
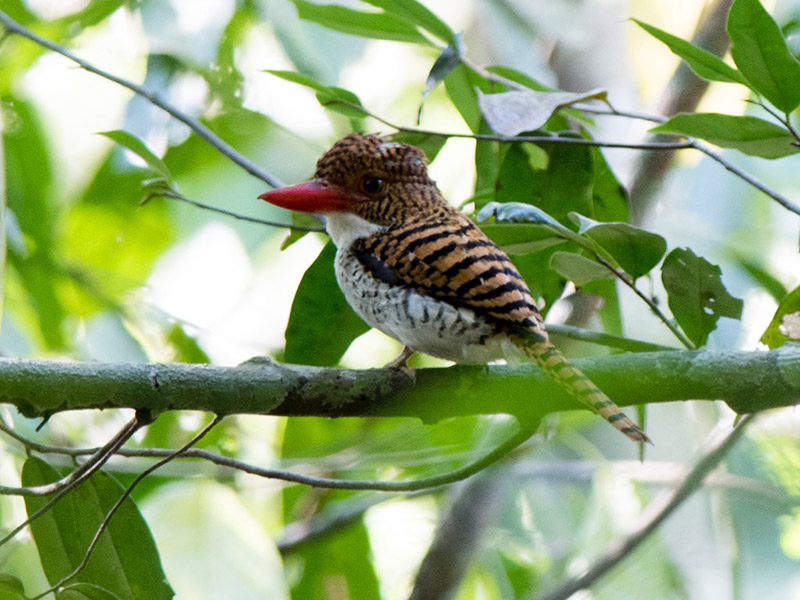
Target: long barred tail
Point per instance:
(580, 387)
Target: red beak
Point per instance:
(317, 196)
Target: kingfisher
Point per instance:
(414, 267)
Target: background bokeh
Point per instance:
(91, 275)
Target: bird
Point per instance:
(417, 269)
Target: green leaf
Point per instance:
(519, 77)
(522, 238)
(429, 144)
(380, 26)
(564, 185)
(489, 156)
(636, 250)
(29, 189)
(702, 62)
(760, 51)
(750, 135)
(515, 212)
(610, 311)
(761, 275)
(342, 101)
(785, 324)
(3, 225)
(460, 86)
(577, 268)
(18, 11)
(511, 113)
(187, 350)
(335, 98)
(696, 294)
(91, 15)
(140, 149)
(11, 588)
(296, 77)
(344, 558)
(85, 591)
(302, 220)
(609, 197)
(321, 324)
(518, 212)
(420, 15)
(449, 59)
(125, 561)
(113, 241)
(219, 546)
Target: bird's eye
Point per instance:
(372, 185)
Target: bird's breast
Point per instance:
(422, 322)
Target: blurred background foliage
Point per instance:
(91, 275)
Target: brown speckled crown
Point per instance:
(408, 193)
(359, 154)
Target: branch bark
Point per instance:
(747, 381)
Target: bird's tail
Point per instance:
(580, 387)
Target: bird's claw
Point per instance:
(399, 363)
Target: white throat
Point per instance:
(345, 228)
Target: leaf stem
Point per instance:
(647, 300)
(173, 195)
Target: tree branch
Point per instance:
(748, 381)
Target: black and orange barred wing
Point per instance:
(451, 259)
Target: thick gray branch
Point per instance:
(748, 381)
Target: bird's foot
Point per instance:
(399, 363)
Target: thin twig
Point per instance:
(604, 339)
(173, 195)
(647, 300)
(104, 525)
(655, 473)
(90, 466)
(102, 455)
(782, 118)
(655, 515)
(742, 174)
(489, 76)
(153, 97)
(534, 139)
(612, 111)
(490, 458)
(320, 482)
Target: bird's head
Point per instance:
(383, 182)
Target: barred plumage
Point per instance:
(412, 266)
